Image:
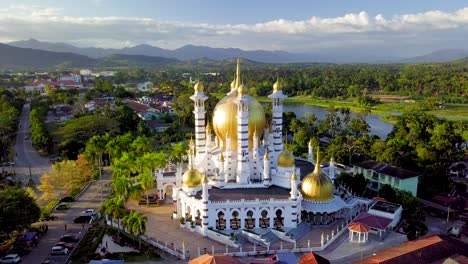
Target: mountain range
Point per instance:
(37, 54)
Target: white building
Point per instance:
(70, 77)
(243, 177)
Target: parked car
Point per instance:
(59, 251)
(88, 212)
(83, 219)
(48, 261)
(62, 206)
(151, 200)
(65, 245)
(11, 258)
(70, 238)
(67, 199)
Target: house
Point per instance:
(379, 173)
(41, 84)
(70, 77)
(157, 126)
(144, 86)
(91, 105)
(433, 249)
(387, 210)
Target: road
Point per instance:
(27, 159)
(89, 199)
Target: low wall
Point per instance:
(226, 240)
(282, 235)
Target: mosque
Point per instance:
(240, 174)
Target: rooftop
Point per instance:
(373, 221)
(387, 169)
(275, 192)
(426, 250)
(385, 207)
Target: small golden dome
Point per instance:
(316, 186)
(286, 159)
(242, 89)
(198, 87)
(192, 178)
(277, 86)
(233, 84)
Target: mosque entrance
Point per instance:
(264, 219)
(167, 193)
(198, 218)
(249, 221)
(220, 222)
(235, 221)
(188, 214)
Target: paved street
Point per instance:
(26, 155)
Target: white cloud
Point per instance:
(316, 33)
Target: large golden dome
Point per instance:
(316, 186)
(286, 159)
(225, 116)
(192, 178)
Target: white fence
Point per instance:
(169, 248)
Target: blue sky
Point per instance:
(394, 27)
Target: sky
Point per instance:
(393, 28)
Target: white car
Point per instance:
(58, 250)
(89, 212)
(11, 258)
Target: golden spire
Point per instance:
(255, 132)
(222, 157)
(208, 128)
(204, 179)
(265, 157)
(310, 142)
(294, 176)
(277, 85)
(317, 169)
(198, 87)
(332, 159)
(191, 143)
(238, 77)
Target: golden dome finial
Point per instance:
(198, 87)
(294, 176)
(310, 142)
(192, 177)
(208, 128)
(332, 159)
(191, 143)
(221, 158)
(204, 179)
(317, 164)
(255, 132)
(265, 157)
(277, 85)
(242, 89)
(233, 85)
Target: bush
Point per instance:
(182, 220)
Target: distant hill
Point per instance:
(13, 57)
(122, 60)
(188, 52)
(439, 56)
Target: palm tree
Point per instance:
(135, 193)
(141, 145)
(121, 186)
(135, 224)
(178, 151)
(115, 208)
(154, 160)
(147, 183)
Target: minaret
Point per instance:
(331, 170)
(277, 98)
(191, 152)
(255, 145)
(242, 102)
(266, 168)
(199, 111)
(208, 137)
(204, 213)
(310, 156)
(228, 157)
(293, 185)
(221, 168)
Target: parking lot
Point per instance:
(90, 199)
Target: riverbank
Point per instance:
(387, 110)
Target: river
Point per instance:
(377, 126)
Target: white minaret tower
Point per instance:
(293, 185)
(310, 156)
(255, 145)
(199, 99)
(204, 213)
(277, 98)
(266, 168)
(242, 101)
(332, 169)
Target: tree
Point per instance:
(140, 145)
(387, 192)
(84, 168)
(18, 210)
(147, 183)
(114, 208)
(135, 224)
(47, 188)
(121, 186)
